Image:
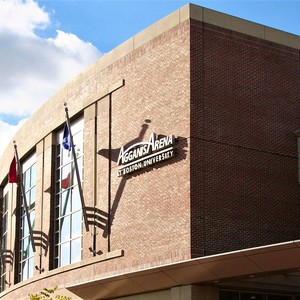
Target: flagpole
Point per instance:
(76, 170)
(1, 253)
(20, 175)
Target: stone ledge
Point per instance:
(72, 267)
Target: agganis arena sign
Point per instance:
(144, 154)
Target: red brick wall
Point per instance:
(244, 109)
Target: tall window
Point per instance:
(68, 208)
(3, 240)
(26, 250)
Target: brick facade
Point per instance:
(231, 101)
(244, 110)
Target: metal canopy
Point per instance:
(274, 266)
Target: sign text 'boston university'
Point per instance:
(143, 154)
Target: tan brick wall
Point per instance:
(157, 88)
(144, 204)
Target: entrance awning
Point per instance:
(276, 265)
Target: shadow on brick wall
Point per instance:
(104, 220)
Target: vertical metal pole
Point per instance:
(109, 174)
(20, 177)
(2, 260)
(1, 252)
(95, 185)
(77, 171)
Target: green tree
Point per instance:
(48, 294)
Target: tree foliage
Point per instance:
(48, 294)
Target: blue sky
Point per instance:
(45, 43)
(106, 24)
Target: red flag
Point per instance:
(12, 175)
(66, 182)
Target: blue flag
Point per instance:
(66, 142)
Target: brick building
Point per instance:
(186, 143)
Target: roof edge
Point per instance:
(189, 11)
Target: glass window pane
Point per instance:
(229, 295)
(4, 224)
(79, 162)
(66, 177)
(76, 202)
(30, 267)
(57, 225)
(24, 269)
(33, 174)
(26, 178)
(65, 228)
(67, 198)
(32, 219)
(279, 297)
(58, 146)
(30, 249)
(76, 224)
(25, 249)
(65, 202)
(252, 296)
(57, 186)
(57, 262)
(66, 170)
(57, 237)
(25, 226)
(32, 198)
(27, 196)
(75, 181)
(5, 202)
(3, 237)
(65, 254)
(76, 250)
(66, 157)
(58, 174)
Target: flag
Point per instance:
(12, 175)
(66, 142)
(65, 183)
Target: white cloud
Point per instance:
(32, 68)
(22, 17)
(7, 131)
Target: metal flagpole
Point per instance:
(1, 252)
(76, 170)
(20, 176)
(1, 249)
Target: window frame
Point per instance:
(26, 257)
(3, 237)
(68, 214)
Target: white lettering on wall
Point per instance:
(143, 154)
